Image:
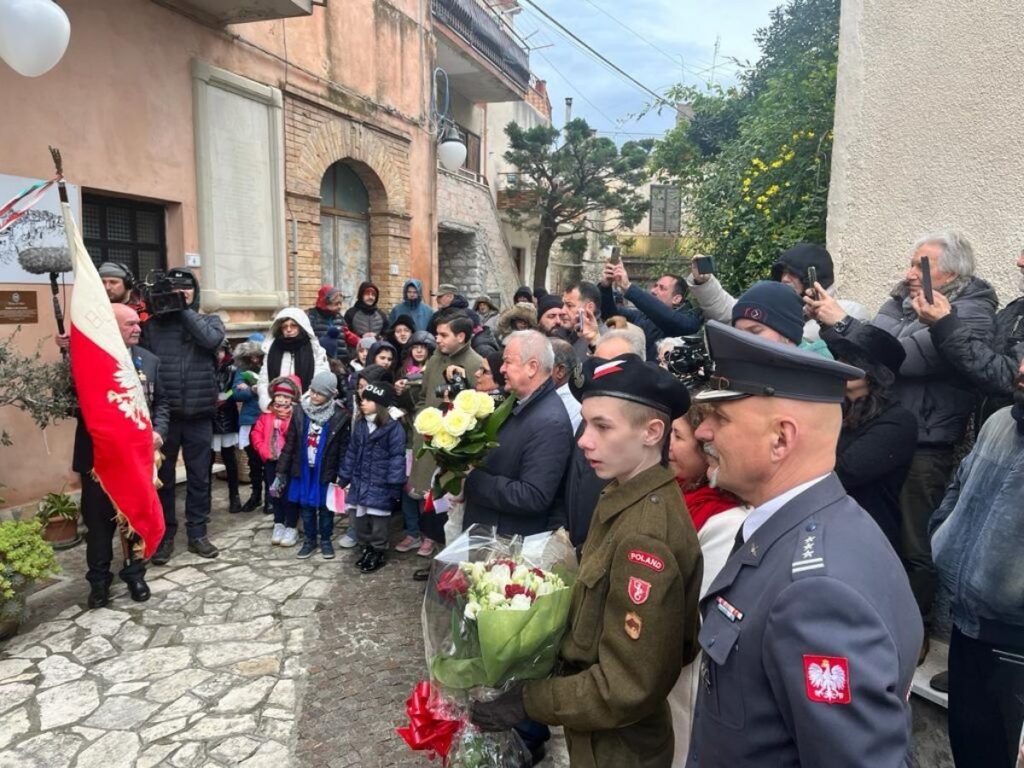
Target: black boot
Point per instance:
(367, 551)
(374, 562)
(99, 595)
(254, 502)
(163, 552)
(235, 504)
(203, 547)
(138, 589)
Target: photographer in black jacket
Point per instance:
(186, 342)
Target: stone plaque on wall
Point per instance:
(239, 171)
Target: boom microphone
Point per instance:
(43, 261)
(48, 261)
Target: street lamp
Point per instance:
(33, 35)
(451, 149)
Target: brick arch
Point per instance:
(371, 155)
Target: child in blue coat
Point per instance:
(374, 470)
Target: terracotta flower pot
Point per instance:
(61, 532)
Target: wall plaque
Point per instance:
(18, 308)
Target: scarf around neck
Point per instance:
(319, 414)
(301, 350)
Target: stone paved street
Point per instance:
(252, 659)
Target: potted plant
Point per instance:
(58, 514)
(24, 558)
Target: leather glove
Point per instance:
(501, 713)
(277, 487)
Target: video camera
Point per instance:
(162, 292)
(452, 386)
(690, 362)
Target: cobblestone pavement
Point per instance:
(216, 668)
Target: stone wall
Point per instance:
(472, 253)
(927, 136)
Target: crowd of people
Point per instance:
(763, 525)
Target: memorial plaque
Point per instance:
(18, 308)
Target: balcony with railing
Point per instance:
(483, 60)
(238, 11)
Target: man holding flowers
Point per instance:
(633, 618)
(516, 487)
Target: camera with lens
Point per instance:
(690, 362)
(162, 292)
(453, 385)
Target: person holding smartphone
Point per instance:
(662, 312)
(941, 397)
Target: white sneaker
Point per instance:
(291, 535)
(275, 537)
(348, 541)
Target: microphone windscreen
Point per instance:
(42, 261)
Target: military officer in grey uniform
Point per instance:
(810, 632)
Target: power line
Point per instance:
(577, 90)
(600, 56)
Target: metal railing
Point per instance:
(486, 36)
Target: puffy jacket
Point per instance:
(248, 397)
(374, 465)
(977, 531)
(186, 343)
(320, 363)
(334, 439)
(418, 310)
(225, 419)
(263, 431)
(990, 367)
(928, 386)
(517, 486)
(320, 321)
(366, 318)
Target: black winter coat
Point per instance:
(872, 462)
(186, 343)
(581, 492)
(374, 464)
(992, 367)
(225, 420)
(336, 435)
(516, 488)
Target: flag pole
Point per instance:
(63, 192)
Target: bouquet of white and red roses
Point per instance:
(494, 614)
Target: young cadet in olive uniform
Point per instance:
(810, 632)
(633, 620)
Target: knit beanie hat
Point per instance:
(285, 385)
(775, 305)
(325, 383)
(379, 392)
(547, 303)
(523, 293)
(366, 342)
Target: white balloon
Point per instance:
(33, 35)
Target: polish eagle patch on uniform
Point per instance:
(827, 679)
(639, 590)
(647, 560)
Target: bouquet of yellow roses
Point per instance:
(460, 437)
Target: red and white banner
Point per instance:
(112, 400)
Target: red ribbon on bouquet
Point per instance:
(427, 730)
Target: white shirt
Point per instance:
(760, 515)
(572, 406)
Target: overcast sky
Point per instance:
(665, 31)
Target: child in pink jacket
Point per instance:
(268, 437)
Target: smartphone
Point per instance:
(616, 257)
(926, 279)
(812, 278)
(705, 265)
(579, 320)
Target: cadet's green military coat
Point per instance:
(632, 626)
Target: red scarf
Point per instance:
(706, 502)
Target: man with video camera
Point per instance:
(186, 342)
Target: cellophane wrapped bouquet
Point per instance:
(494, 614)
